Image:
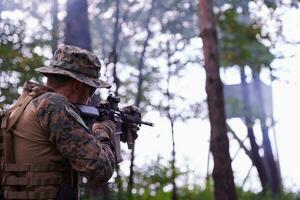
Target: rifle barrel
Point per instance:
(147, 123)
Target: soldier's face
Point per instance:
(81, 93)
(85, 94)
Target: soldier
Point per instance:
(47, 145)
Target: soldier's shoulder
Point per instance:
(51, 99)
(50, 109)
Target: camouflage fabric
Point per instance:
(75, 142)
(105, 131)
(77, 63)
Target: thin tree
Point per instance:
(172, 120)
(54, 31)
(139, 95)
(113, 55)
(222, 172)
(1, 6)
(113, 58)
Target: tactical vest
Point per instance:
(19, 180)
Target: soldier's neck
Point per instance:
(64, 91)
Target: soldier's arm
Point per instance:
(74, 141)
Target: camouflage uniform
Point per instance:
(49, 132)
(73, 139)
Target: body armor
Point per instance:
(31, 166)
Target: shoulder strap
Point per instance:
(7, 136)
(29, 194)
(3, 123)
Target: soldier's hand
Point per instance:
(132, 110)
(104, 130)
(130, 128)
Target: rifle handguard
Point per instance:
(111, 111)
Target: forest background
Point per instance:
(151, 51)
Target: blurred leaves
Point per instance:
(153, 183)
(240, 41)
(17, 61)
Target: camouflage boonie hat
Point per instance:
(77, 63)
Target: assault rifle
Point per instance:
(110, 110)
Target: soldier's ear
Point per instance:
(75, 85)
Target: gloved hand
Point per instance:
(104, 131)
(130, 128)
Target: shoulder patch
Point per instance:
(77, 117)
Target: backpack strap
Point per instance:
(36, 167)
(34, 181)
(17, 111)
(3, 124)
(29, 194)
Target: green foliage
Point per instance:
(153, 182)
(240, 41)
(17, 62)
(248, 195)
(195, 192)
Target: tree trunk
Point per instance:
(138, 98)
(1, 7)
(131, 175)
(113, 56)
(222, 172)
(77, 24)
(255, 157)
(172, 121)
(174, 189)
(54, 31)
(268, 153)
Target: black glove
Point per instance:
(130, 128)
